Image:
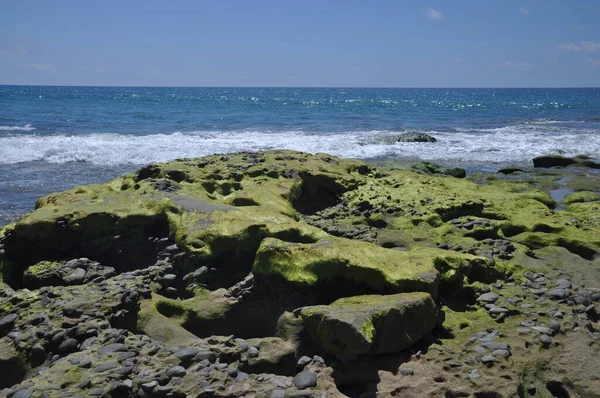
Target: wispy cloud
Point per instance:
(45, 68)
(509, 65)
(582, 46)
(524, 10)
(592, 61)
(432, 13)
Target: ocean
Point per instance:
(52, 138)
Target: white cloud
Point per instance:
(432, 13)
(582, 46)
(592, 61)
(524, 10)
(509, 65)
(46, 68)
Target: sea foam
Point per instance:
(27, 127)
(510, 144)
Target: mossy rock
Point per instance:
(371, 324)
(581, 197)
(358, 264)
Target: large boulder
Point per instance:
(562, 161)
(553, 161)
(371, 324)
(13, 363)
(349, 265)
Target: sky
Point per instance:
(324, 43)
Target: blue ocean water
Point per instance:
(54, 137)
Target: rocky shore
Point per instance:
(284, 274)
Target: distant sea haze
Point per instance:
(55, 137)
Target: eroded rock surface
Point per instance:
(287, 274)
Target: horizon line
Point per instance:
(301, 87)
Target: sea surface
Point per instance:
(52, 138)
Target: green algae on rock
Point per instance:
(371, 324)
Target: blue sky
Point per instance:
(386, 43)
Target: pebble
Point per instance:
(303, 361)
(208, 355)
(25, 393)
(488, 297)
(253, 352)
(68, 346)
(501, 353)
(305, 380)
(176, 371)
(407, 371)
(542, 329)
(105, 366)
(545, 339)
(96, 392)
(489, 359)
(474, 374)
(241, 376)
(187, 354)
(109, 348)
(558, 294)
(495, 345)
(7, 322)
(562, 284)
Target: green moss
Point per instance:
(42, 268)
(357, 262)
(583, 196)
(365, 324)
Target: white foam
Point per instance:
(27, 127)
(519, 143)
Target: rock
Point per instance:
(76, 277)
(187, 354)
(495, 345)
(407, 371)
(545, 339)
(489, 359)
(13, 364)
(273, 355)
(24, 393)
(490, 297)
(6, 323)
(554, 325)
(176, 371)
(343, 259)
(408, 137)
(543, 330)
(557, 294)
(110, 348)
(501, 353)
(305, 380)
(552, 161)
(303, 361)
(371, 324)
(253, 352)
(68, 346)
(561, 161)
